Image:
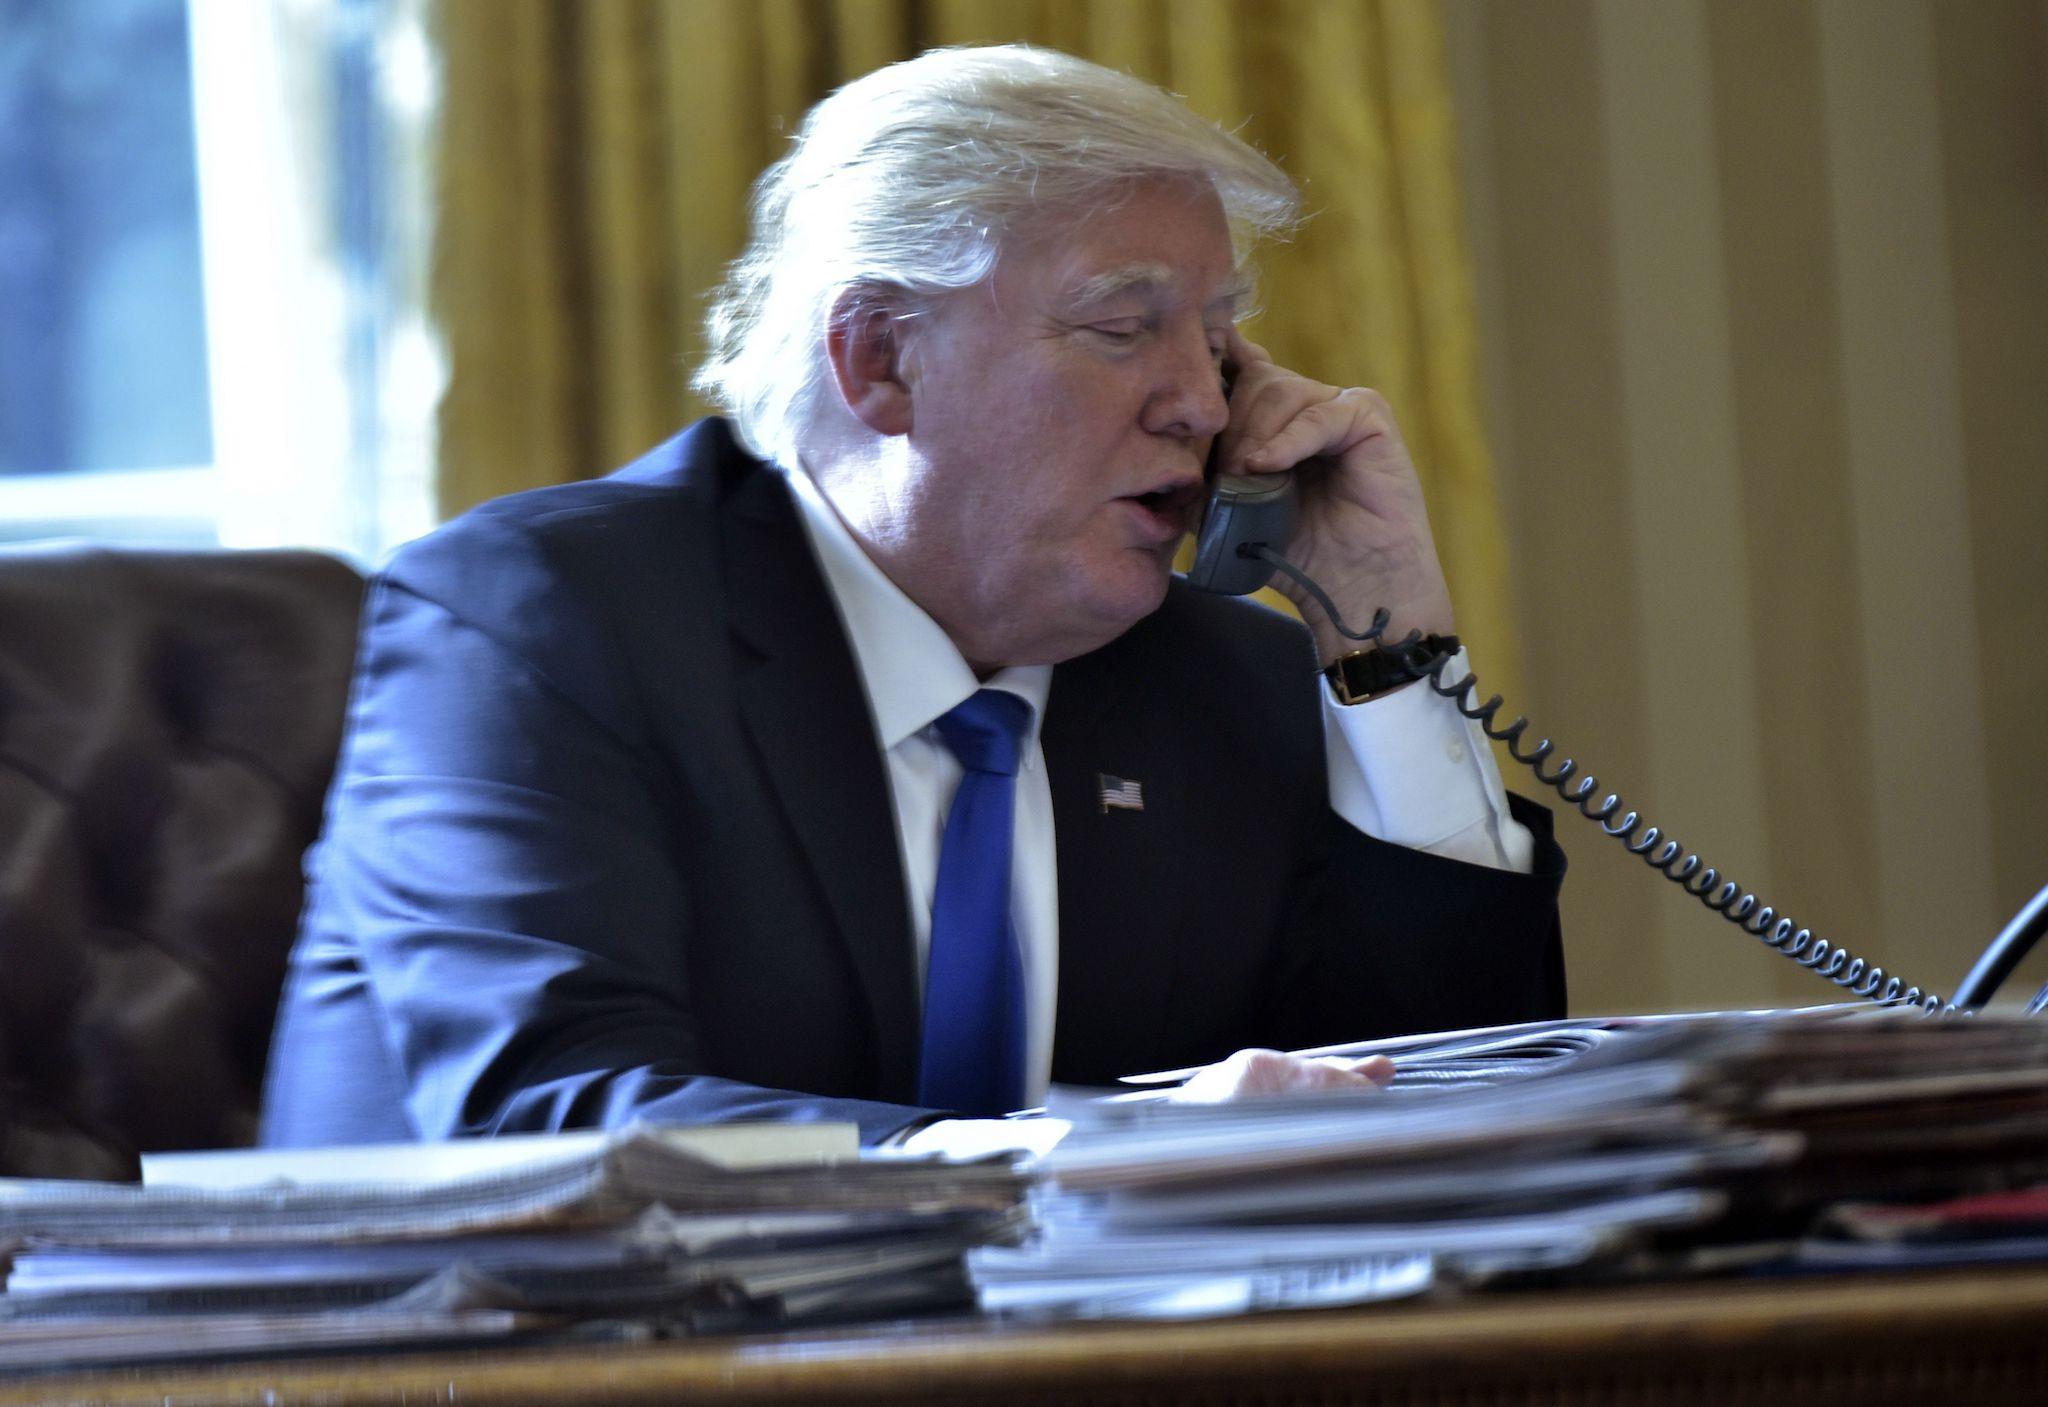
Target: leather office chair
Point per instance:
(168, 726)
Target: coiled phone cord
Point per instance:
(1658, 850)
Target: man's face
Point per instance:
(1061, 416)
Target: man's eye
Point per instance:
(1123, 331)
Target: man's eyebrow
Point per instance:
(1147, 278)
(1142, 278)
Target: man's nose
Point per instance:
(1190, 401)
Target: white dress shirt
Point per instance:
(1405, 768)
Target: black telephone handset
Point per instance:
(1243, 515)
(1244, 512)
(1244, 531)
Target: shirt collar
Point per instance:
(910, 667)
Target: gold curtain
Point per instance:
(596, 157)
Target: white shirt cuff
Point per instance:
(1409, 769)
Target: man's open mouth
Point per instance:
(1173, 501)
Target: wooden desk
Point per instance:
(1975, 1337)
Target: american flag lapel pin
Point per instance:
(1118, 793)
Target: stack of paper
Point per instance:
(1625, 1147)
(650, 1232)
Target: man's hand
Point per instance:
(1256, 1072)
(1363, 532)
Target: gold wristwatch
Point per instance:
(1366, 674)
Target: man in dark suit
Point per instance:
(658, 799)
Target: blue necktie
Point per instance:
(973, 1059)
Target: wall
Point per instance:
(1764, 293)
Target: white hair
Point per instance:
(908, 181)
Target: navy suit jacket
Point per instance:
(611, 838)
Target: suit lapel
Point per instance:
(803, 705)
(1119, 891)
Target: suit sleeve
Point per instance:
(1387, 940)
(498, 848)
(1377, 938)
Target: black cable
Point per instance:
(2011, 945)
(1657, 850)
(1307, 583)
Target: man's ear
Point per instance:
(864, 344)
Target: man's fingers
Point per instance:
(1327, 427)
(1272, 403)
(1330, 1074)
(1261, 1071)
(1340, 1073)
(1377, 1068)
(1256, 1072)
(1278, 419)
(1265, 405)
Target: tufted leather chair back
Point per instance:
(168, 726)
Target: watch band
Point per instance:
(1363, 674)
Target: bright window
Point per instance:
(211, 255)
(104, 408)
